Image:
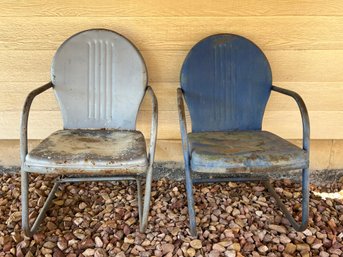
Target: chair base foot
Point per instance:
(298, 227)
(190, 204)
(146, 204)
(305, 201)
(29, 231)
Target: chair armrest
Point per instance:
(304, 115)
(154, 122)
(183, 125)
(25, 118)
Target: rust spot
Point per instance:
(89, 140)
(118, 171)
(222, 40)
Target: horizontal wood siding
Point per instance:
(157, 8)
(303, 41)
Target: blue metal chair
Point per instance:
(226, 81)
(99, 78)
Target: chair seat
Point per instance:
(243, 151)
(84, 151)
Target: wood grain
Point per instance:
(104, 8)
(177, 33)
(164, 66)
(336, 157)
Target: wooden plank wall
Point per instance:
(302, 39)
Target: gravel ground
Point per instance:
(101, 219)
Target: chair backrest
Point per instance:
(226, 80)
(99, 79)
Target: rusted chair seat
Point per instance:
(243, 152)
(84, 151)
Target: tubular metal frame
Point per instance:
(143, 207)
(265, 180)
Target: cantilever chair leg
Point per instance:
(146, 204)
(29, 231)
(24, 203)
(305, 202)
(190, 202)
(139, 199)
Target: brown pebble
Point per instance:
(167, 248)
(51, 226)
(89, 252)
(57, 253)
(235, 246)
(100, 253)
(98, 242)
(86, 243)
(214, 253)
(196, 244)
(290, 248)
(278, 228)
(191, 252)
(218, 248)
(303, 247)
(39, 237)
(62, 244)
(262, 249)
(82, 206)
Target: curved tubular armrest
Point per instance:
(152, 146)
(304, 115)
(25, 117)
(183, 125)
(153, 130)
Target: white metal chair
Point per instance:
(99, 78)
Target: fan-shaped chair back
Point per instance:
(226, 80)
(99, 79)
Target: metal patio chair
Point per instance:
(226, 81)
(99, 79)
